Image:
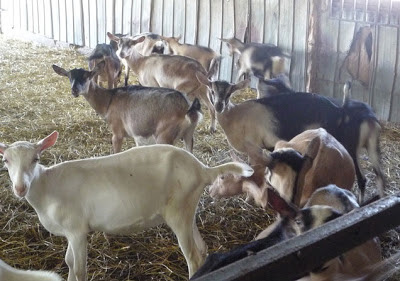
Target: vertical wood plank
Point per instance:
(56, 19)
(191, 21)
(101, 28)
(127, 17)
(228, 31)
(48, 19)
(257, 21)
(326, 48)
(35, 16)
(118, 16)
(29, 16)
(395, 101)
(216, 25)
(23, 15)
(242, 14)
(271, 21)
(203, 36)
(179, 19)
(16, 15)
(41, 17)
(146, 15)
(86, 21)
(110, 17)
(136, 16)
(63, 20)
(286, 17)
(78, 23)
(385, 71)
(168, 18)
(93, 23)
(298, 59)
(70, 22)
(157, 17)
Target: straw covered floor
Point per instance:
(34, 101)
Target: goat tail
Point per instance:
(194, 113)
(237, 168)
(214, 67)
(346, 92)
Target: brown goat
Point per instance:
(207, 57)
(159, 114)
(331, 165)
(175, 72)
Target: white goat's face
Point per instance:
(21, 159)
(226, 186)
(125, 47)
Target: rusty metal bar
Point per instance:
(295, 257)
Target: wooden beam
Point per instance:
(295, 257)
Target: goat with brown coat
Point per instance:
(175, 72)
(111, 71)
(136, 111)
(207, 57)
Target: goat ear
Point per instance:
(99, 67)
(3, 148)
(223, 40)
(308, 159)
(203, 79)
(177, 38)
(59, 70)
(240, 85)
(113, 37)
(139, 40)
(48, 141)
(235, 157)
(284, 208)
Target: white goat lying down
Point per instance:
(118, 194)
(8, 273)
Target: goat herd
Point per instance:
(315, 140)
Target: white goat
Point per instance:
(169, 71)
(118, 194)
(9, 273)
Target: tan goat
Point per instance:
(331, 164)
(207, 57)
(175, 72)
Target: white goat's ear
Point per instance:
(241, 85)
(48, 141)
(113, 37)
(203, 79)
(3, 148)
(59, 70)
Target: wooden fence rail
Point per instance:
(293, 258)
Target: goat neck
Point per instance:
(99, 98)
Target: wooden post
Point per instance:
(295, 257)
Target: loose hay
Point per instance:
(35, 101)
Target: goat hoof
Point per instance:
(212, 130)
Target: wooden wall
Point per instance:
(287, 23)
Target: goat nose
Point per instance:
(75, 92)
(20, 190)
(219, 107)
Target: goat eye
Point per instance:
(35, 160)
(298, 221)
(5, 161)
(222, 177)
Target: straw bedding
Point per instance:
(34, 101)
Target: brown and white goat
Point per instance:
(8, 273)
(261, 123)
(137, 111)
(207, 57)
(151, 44)
(263, 60)
(111, 72)
(175, 72)
(332, 202)
(121, 193)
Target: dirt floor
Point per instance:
(34, 101)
